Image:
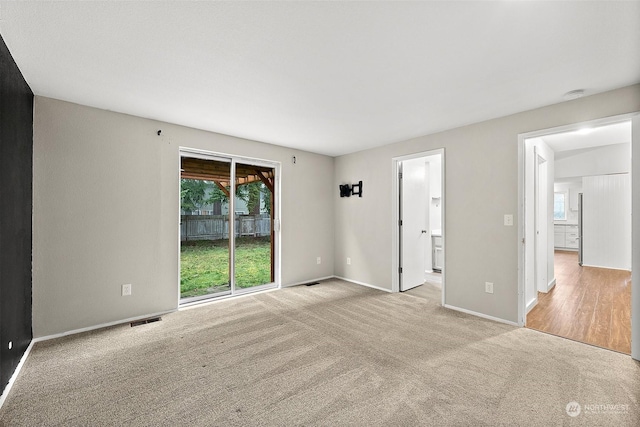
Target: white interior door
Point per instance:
(413, 216)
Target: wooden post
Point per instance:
(269, 183)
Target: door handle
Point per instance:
(424, 231)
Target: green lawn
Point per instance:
(204, 265)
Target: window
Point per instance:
(559, 206)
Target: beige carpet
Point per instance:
(431, 291)
(332, 354)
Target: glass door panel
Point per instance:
(204, 228)
(253, 220)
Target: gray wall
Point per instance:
(106, 213)
(114, 176)
(481, 184)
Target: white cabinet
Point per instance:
(565, 236)
(437, 254)
(573, 198)
(558, 236)
(571, 237)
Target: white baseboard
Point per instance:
(363, 284)
(532, 304)
(610, 268)
(7, 389)
(100, 326)
(308, 281)
(484, 316)
(551, 284)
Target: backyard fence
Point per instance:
(214, 227)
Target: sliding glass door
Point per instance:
(254, 214)
(227, 244)
(204, 228)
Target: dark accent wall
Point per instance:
(16, 178)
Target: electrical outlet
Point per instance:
(348, 261)
(508, 220)
(126, 289)
(318, 260)
(488, 287)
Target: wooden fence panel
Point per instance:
(216, 227)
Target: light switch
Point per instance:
(508, 220)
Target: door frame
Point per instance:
(635, 178)
(233, 159)
(541, 224)
(395, 202)
(536, 227)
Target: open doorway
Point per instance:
(586, 294)
(419, 261)
(228, 227)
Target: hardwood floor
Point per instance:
(590, 305)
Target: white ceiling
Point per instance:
(328, 77)
(570, 143)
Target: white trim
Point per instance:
(233, 159)
(577, 126)
(522, 304)
(395, 279)
(277, 224)
(484, 316)
(635, 236)
(304, 282)
(608, 268)
(13, 378)
(532, 304)
(368, 285)
(551, 284)
(232, 228)
(443, 221)
(102, 325)
(223, 157)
